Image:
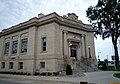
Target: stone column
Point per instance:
(18, 48)
(86, 47)
(83, 45)
(69, 52)
(10, 47)
(65, 48)
(2, 46)
(65, 43)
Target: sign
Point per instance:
(113, 57)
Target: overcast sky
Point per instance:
(13, 12)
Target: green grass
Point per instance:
(116, 75)
(111, 68)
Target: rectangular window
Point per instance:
(24, 45)
(6, 48)
(20, 65)
(43, 43)
(10, 65)
(2, 65)
(14, 47)
(42, 64)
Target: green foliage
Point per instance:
(106, 12)
(43, 74)
(112, 68)
(116, 75)
(102, 65)
(14, 73)
(49, 74)
(55, 73)
(36, 73)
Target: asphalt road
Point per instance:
(15, 81)
(8, 82)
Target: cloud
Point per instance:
(105, 47)
(16, 11)
(13, 12)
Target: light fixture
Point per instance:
(70, 44)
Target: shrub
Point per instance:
(55, 73)
(116, 75)
(68, 70)
(24, 73)
(49, 74)
(43, 74)
(14, 72)
(102, 65)
(17, 73)
(28, 74)
(36, 73)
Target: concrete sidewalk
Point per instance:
(101, 77)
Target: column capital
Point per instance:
(83, 35)
(65, 31)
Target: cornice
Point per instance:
(53, 17)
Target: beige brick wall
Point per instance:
(27, 58)
(53, 57)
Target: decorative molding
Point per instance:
(53, 17)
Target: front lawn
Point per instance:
(112, 68)
(116, 75)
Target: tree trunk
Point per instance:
(116, 55)
(114, 41)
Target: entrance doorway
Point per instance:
(73, 50)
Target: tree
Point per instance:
(105, 18)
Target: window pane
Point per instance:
(2, 65)
(6, 50)
(44, 48)
(24, 45)
(10, 65)
(42, 64)
(20, 65)
(44, 44)
(14, 47)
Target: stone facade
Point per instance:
(46, 44)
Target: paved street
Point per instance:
(7, 82)
(4, 80)
(101, 77)
(105, 77)
(24, 80)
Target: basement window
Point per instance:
(42, 65)
(20, 65)
(10, 65)
(2, 65)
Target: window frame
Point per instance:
(19, 65)
(24, 47)
(6, 48)
(42, 65)
(15, 48)
(44, 44)
(11, 65)
(2, 67)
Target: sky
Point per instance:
(13, 12)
